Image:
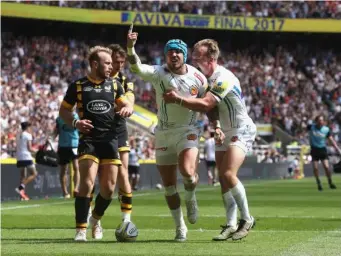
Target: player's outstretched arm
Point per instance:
(147, 72)
(196, 104)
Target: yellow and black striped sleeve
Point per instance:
(119, 93)
(128, 86)
(70, 97)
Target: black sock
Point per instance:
(21, 187)
(330, 180)
(318, 182)
(101, 205)
(82, 205)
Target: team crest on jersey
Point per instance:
(107, 88)
(192, 136)
(193, 91)
(97, 88)
(234, 138)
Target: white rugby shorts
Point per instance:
(171, 142)
(242, 137)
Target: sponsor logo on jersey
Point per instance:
(192, 136)
(98, 106)
(88, 89)
(193, 91)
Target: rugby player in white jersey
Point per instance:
(235, 133)
(177, 136)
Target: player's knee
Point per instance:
(229, 175)
(108, 191)
(170, 190)
(189, 180)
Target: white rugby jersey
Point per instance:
(23, 154)
(193, 84)
(225, 87)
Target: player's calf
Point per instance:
(190, 198)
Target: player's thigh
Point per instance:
(108, 177)
(31, 168)
(188, 161)
(165, 151)
(187, 149)
(231, 161)
(168, 174)
(325, 164)
(124, 156)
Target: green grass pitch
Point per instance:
(293, 218)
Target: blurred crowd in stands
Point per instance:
(284, 86)
(280, 9)
(36, 72)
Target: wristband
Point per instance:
(217, 124)
(74, 122)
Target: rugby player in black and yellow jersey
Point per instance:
(97, 97)
(125, 192)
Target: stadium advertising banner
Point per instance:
(170, 19)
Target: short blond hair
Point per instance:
(94, 51)
(212, 48)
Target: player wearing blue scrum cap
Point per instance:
(177, 134)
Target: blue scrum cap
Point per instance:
(176, 44)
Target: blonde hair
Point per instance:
(94, 51)
(212, 48)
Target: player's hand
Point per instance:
(131, 37)
(84, 126)
(170, 96)
(219, 136)
(126, 111)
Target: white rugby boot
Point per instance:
(226, 233)
(243, 229)
(96, 228)
(181, 234)
(80, 235)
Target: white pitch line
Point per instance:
(32, 205)
(136, 195)
(257, 216)
(54, 203)
(190, 230)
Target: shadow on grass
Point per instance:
(70, 240)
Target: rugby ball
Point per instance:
(126, 232)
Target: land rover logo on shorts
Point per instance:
(98, 106)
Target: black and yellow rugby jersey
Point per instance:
(128, 89)
(96, 102)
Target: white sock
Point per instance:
(125, 217)
(178, 217)
(190, 195)
(231, 209)
(239, 195)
